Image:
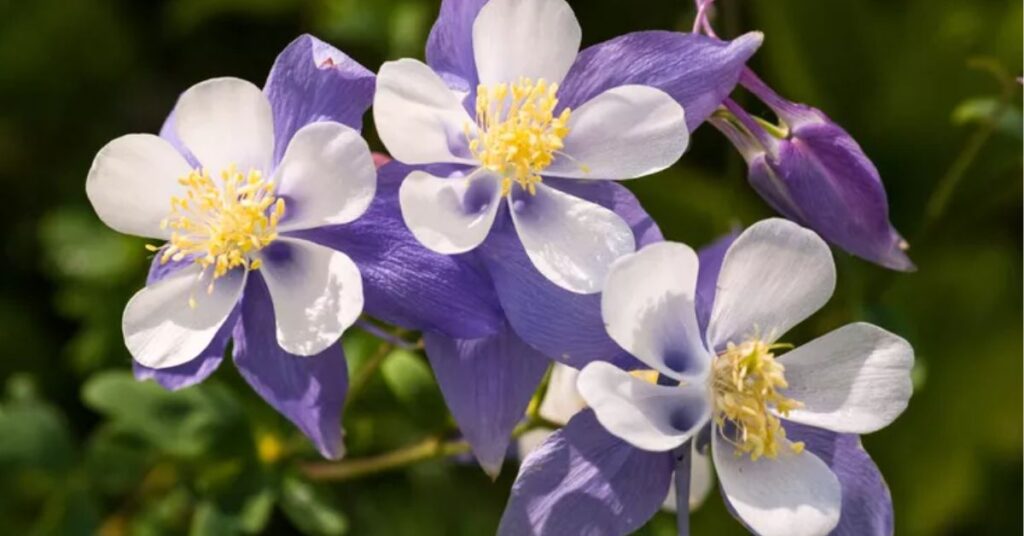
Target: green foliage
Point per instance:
(85, 449)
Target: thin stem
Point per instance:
(365, 373)
(387, 336)
(682, 483)
(428, 449)
(940, 197)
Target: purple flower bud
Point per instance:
(814, 173)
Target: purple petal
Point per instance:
(696, 70)
(487, 384)
(313, 81)
(867, 504)
(583, 480)
(562, 324)
(309, 391)
(195, 371)
(450, 45)
(406, 284)
(710, 257)
(822, 179)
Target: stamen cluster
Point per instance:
(746, 380)
(518, 133)
(218, 224)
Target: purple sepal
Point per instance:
(583, 480)
(696, 70)
(309, 391)
(197, 370)
(867, 504)
(487, 384)
(563, 325)
(313, 81)
(406, 284)
(821, 178)
(710, 257)
(450, 45)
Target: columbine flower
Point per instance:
(780, 427)
(853, 380)
(511, 130)
(241, 174)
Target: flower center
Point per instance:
(518, 133)
(220, 223)
(745, 381)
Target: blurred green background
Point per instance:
(926, 86)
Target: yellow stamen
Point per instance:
(517, 134)
(220, 224)
(746, 380)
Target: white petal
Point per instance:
(327, 176)
(418, 118)
(131, 183)
(790, 495)
(702, 478)
(226, 121)
(855, 379)
(317, 294)
(531, 38)
(561, 400)
(449, 215)
(573, 242)
(773, 276)
(648, 309)
(529, 441)
(648, 416)
(162, 330)
(624, 133)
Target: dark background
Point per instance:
(926, 86)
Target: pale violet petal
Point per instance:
(561, 399)
(536, 39)
(773, 276)
(317, 293)
(450, 215)
(648, 416)
(624, 133)
(571, 241)
(131, 182)
(326, 176)
(173, 320)
(224, 122)
(790, 495)
(648, 308)
(418, 118)
(855, 379)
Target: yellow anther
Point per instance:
(517, 134)
(746, 380)
(220, 223)
(649, 376)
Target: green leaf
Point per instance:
(311, 509)
(408, 376)
(184, 423)
(1007, 118)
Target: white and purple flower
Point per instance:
(509, 123)
(782, 430)
(239, 174)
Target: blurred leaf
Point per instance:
(1007, 119)
(33, 435)
(210, 521)
(184, 423)
(78, 246)
(409, 377)
(311, 509)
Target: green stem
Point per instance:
(427, 449)
(365, 373)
